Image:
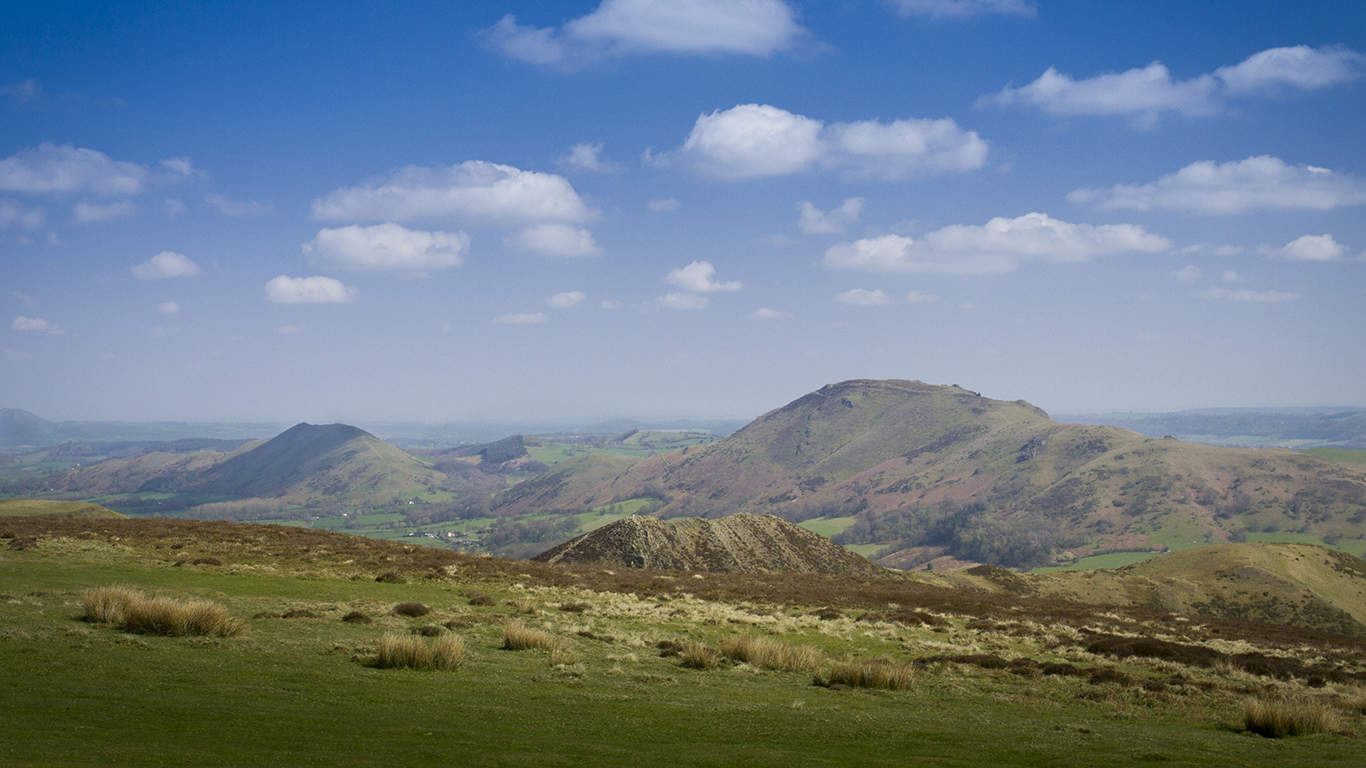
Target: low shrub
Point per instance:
(390, 577)
(1279, 718)
(412, 610)
(299, 613)
(414, 652)
(519, 637)
(430, 630)
(869, 673)
(698, 656)
(575, 607)
(769, 653)
(479, 598)
(133, 611)
(356, 617)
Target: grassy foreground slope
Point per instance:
(298, 690)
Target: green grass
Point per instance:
(1344, 455)
(867, 550)
(1352, 546)
(827, 526)
(302, 692)
(1100, 562)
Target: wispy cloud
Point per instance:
(521, 318)
(1261, 182)
(284, 289)
(813, 221)
(1220, 293)
(239, 209)
(38, 325)
(863, 297)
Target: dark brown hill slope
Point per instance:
(933, 470)
(734, 544)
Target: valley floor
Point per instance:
(302, 690)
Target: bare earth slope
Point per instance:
(934, 470)
(734, 544)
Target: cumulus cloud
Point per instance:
(1146, 92)
(1000, 245)
(677, 300)
(1308, 248)
(168, 308)
(238, 209)
(959, 9)
(764, 313)
(566, 299)
(91, 213)
(284, 289)
(862, 297)
(166, 265)
(1261, 182)
(560, 240)
(181, 166)
(662, 205)
(620, 27)
(13, 214)
(475, 190)
(521, 318)
(813, 221)
(34, 325)
(759, 140)
(51, 169)
(919, 297)
(699, 277)
(387, 247)
(1188, 274)
(587, 157)
(1245, 295)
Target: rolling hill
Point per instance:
(46, 507)
(738, 543)
(931, 471)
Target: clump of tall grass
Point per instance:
(415, 652)
(133, 611)
(699, 656)
(411, 610)
(1279, 718)
(869, 673)
(519, 637)
(769, 653)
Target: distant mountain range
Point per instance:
(1247, 427)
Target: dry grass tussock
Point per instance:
(519, 637)
(869, 673)
(134, 611)
(769, 653)
(1279, 718)
(415, 652)
(698, 656)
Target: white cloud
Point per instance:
(813, 221)
(1261, 182)
(90, 213)
(521, 318)
(1000, 245)
(238, 208)
(1308, 248)
(618, 27)
(962, 8)
(284, 289)
(1293, 67)
(759, 140)
(387, 247)
(172, 207)
(51, 169)
(764, 313)
(168, 308)
(1188, 274)
(862, 297)
(288, 330)
(918, 297)
(587, 157)
(1203, 249)
(13, 214)
(1229, 276)
(554, 240)
(699, 277)
(34, 325)
(1146, 92)
(676, 300)
(471, 190)
(22, 91)
(165, 265)
(181, 166)
(1244, 295)
(663, 205)
(609, 304)
(566, 299)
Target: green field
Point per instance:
(1097, 562)
(300, 692)
(1352, 546)
(1345, 455)
(828, 526)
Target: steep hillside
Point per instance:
(19, 429)
(733, 544)
(325, 465)
(930, 471)
(577, 478)
(158, 471)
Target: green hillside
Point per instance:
(72, 509)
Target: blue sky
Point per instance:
(435, 211)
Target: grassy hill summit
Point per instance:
(739, 543)
(70, 509)
(920, 472)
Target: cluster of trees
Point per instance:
(524, 539)
(968, 531)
